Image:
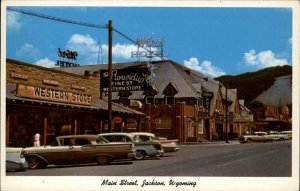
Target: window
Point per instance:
(131, 123)
(164, 123)
(169, 100)
(191, 128)
(200, 127)
(150, 100)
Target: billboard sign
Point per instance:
(128, 79)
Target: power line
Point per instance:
(58, 19)
(74, 22)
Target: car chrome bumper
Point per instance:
(131, 155)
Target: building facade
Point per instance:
(52, 103)
(180, 103)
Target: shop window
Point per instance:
(191, 128)
(131, 124)
(163, 123)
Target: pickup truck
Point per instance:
(256, 137)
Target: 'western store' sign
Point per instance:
(49, 94)
(133, 79)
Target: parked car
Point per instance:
(142, 148)
(167, 145)
(15, 160)
(77, 149)
(289, 133)
(277, 136)
(256, 137)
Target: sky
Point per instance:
(214, 41)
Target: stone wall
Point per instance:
(29, 74)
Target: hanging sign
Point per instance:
(128, 79)
(207, 96)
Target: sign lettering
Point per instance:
(53, 95)
(133, 79)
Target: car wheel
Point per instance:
(33, 162)
(103, 160)
(140, 155)
(248, 141)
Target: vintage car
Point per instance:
(256, 137)
(167, 145)
(15, 160)
(77, 149)
(142, 148)
(277, 136)
(288, 133)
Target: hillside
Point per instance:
(251, 84)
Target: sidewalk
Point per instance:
(230, 142)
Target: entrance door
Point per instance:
(220, 131)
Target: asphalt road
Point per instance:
(232, 160)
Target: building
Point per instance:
(181, 103)
(53, 102)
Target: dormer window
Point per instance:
(150, 100)
(169, 100)
(149, 95)
(170, 91)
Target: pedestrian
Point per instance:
(36, 139)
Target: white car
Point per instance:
(167, 145)
(142, 148)
(15, 160)
(277, 136)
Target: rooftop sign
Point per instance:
(151, 48)
(69, 55)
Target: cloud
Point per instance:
(263, 59)
(205, 67)
(13, 20)
(28, 50)
(45, 62)
(121, 51)
(88, 49)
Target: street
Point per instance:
(232, 160)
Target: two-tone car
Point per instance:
(142, 148)
(167, 145)
(256, 137)
(15, 160)
(77, 149)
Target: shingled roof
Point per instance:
(167, 71)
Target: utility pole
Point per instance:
(109, 75)
(226, 116)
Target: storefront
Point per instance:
(53, 103)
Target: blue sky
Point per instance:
(214, 41)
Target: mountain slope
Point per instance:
(251, 84)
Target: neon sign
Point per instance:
(151, 48)
(66, 54)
